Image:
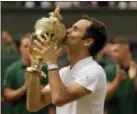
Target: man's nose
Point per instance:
(68, 31)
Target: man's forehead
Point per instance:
(82, 23)
(25, 40)
(115, 45)
(118, 46)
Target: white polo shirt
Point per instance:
(90, 75)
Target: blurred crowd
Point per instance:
(70, 4)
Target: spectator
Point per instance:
(15, 82)
(8, 43)
(9, 51)
(122, 79)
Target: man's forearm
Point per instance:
(59, 91)
(111, 89)
(33, 89)
(13, 95)
(35, 99)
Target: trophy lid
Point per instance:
(49, 24)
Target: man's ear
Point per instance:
(88, 42)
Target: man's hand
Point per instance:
(46, 48)
(113, 86)
(132, 71)
(120, 75)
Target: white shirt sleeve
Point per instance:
(91, 80)
(63, 73)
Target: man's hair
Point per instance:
(27, 35)
(118, 40)
(98, 32)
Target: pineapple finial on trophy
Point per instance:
(56, 14)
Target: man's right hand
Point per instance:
(120, 74)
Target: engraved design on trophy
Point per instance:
(54, 29)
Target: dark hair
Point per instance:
(118, 40)
(27, 35)
(98, 32)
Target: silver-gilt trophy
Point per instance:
(54, 29)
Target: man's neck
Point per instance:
(76, 56)
(25, 62)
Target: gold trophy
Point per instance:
(54, 29)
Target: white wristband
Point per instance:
(52, 67)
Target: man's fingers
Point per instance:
(36, 50)
(46, 36)
(38, 44)
(41, 39)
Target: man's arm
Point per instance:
(12, 95)
(62, 94)
(36, 98)
(113, 86)
(112, 89)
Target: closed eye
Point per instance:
(75, 28)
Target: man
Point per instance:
(79, 88)
(122, 79)
(15, 81)
(8, 48)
